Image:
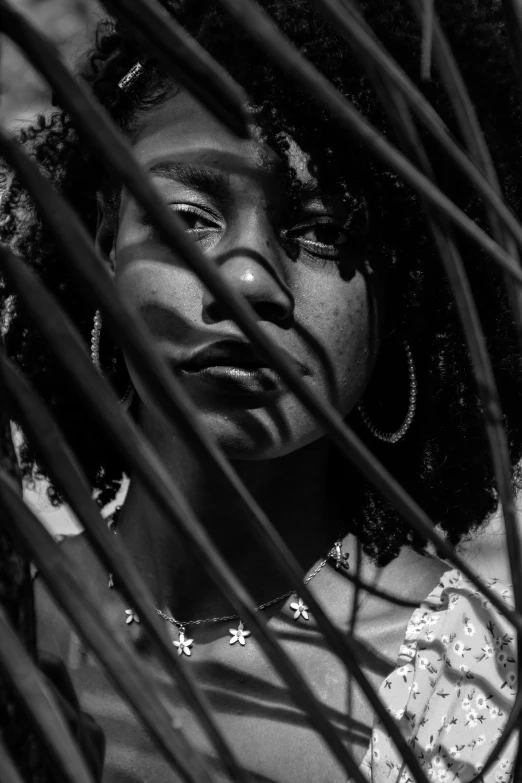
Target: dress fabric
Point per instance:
(452, 689)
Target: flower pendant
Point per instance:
(132, 617)
(300, 609)
(341, 558)
(183, 644)
(238, 635)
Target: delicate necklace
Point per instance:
(239, 634)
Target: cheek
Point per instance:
(161, 291)
(334, 316)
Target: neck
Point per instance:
(292, 490)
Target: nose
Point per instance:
(252, 262)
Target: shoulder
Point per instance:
(53, 629)
(454, 684)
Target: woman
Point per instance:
(333, 254)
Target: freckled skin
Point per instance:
(328, 319)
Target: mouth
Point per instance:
(232, 366)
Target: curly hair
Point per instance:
(443, 460)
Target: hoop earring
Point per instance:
(393, 437)
(127, 399)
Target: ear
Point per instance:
(105, 239)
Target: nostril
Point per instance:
(275, 312)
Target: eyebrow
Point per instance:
(215, 183)
(207, 179)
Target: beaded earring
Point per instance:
(7, 314)
(393, 437)
(128, 397)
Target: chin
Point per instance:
(256, 435)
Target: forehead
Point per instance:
(182, 128)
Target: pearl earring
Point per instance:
(128, 397)
(393, 437)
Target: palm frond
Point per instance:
(41, 704)
(405, 105)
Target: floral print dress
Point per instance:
(452, 690)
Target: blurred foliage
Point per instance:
(69, 23)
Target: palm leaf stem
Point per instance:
(41, 704)
(75, 596)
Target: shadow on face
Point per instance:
(294, 260)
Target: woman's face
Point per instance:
(299, 271)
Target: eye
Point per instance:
(323, 236)
(197, 220)
(200, 223)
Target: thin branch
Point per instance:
(348, 442)
(8, 771)
(127, 331)
(427, 39)
(41, 704)
(348, 20)
(74, 594)
(144, 463)
(65, 472)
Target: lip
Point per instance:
(233, 366)
(238, 380)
